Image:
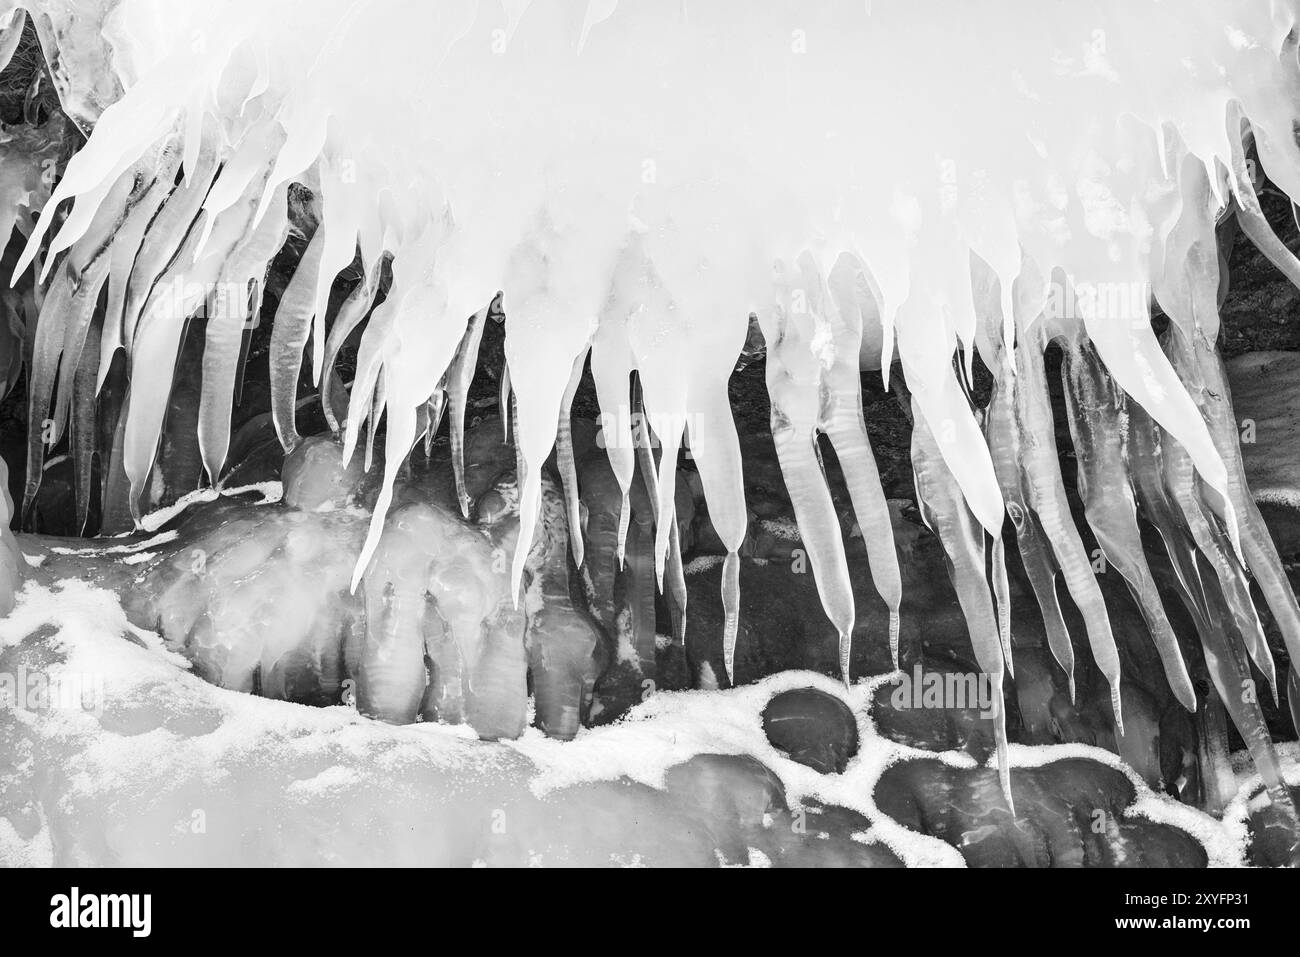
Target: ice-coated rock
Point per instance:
(813, 728)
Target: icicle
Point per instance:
(731, 617)
(412, 338)
(11, 342)
(1035, 553)
(1293, 695)
(927, 366)
(1180, 482)
(564, 457)
(840, 418)
(1228, 668)
(944, 509)
(553, 296)
(83, 432)
(1250, 217)
(126, 248)
(1134, 359)
(794, 374)
(227, 326)
(339, 223)
(178, 293)
(163, 240)
(289, 332)
(88, 264)
(436, 408)
(611, 369)
(1213, 395)
(459, 376)
(1002, 598)
(639, 578)
(70, 305)
(11, 34)
(11, 558)
(1046, 496)
(1099, 427)
(504, 402)
(244, 172)
(673, 567)
(350, 314)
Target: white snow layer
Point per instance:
(165, 768)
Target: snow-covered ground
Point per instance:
(154, 766)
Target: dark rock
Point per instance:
(732, 786)
(1069, 813)
(1271, 837)
(812, 727)
(929, 728)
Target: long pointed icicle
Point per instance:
(138, 184)
(1228, 668)
(611, 371)
(178, 293)
(1293, 695)
(944, 509)
(1002, 599)
(1256, 542)
(289, 332)
(1046, 496)
(1035, 553)
(504, 402)
(170, 231)
(1099, 426)
(672, 567)
(458, 379)
(82, 428)
(793, 389)
(126, 247)
(564, 457)
(71, 303)
(1184, 488)
(1251, 219)
(1180, 480)
(228, 323)
(1230, 673)
(354, 309)
(842, 421)
(11, 34)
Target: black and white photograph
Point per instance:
(730, 434)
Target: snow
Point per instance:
(130, 549)
(782, 528)
(702, 563)
(1250, 795)
(271, 492)
(218, 766)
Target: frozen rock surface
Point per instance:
(129, 758)
(813, 728)
(1266, 399)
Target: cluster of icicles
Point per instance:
(919, 180)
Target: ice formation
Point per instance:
(636, 180)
